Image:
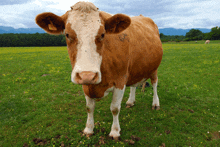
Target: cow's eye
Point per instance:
(70, 37)
(67, 35)
(103, 35)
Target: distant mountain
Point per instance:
(6, 30)
(165, 31)
(172, 31)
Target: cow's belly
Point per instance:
(138, 83)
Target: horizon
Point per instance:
(158, 28)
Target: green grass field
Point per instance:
(40, 106)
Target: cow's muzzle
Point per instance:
(86, 77)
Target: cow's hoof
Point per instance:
(115, 138)
(129, 105)
(87, 132)
(115, 135)
(155, 107)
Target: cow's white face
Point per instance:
(86, 27)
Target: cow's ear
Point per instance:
(117, 23)
(51, 23)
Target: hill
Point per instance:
(6, 30)
(173, 31)
(165, 31)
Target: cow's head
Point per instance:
(85, 29)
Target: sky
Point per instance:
(179, 14)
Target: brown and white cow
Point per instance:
(107, 54)
(207, 41)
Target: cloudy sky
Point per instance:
(184, 14)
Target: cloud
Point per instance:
(23, 15)
(166, 13)
(13, 2)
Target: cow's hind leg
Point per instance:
(131, 99)
(154, 81)
(115, 109)
(90, 106)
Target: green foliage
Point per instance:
(39, 105)
(17, 40)
(215, 33)
(165, 38)
(194, 34)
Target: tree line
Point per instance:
(193, 35)
(25, 40)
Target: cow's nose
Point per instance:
(86, 77)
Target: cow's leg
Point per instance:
(90, 106)
(115, 109)
(154, 81)
(131, 99)
(143, 87)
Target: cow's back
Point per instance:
(145, 49)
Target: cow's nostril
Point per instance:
(78, 76)
(95, 77)
(86, 77)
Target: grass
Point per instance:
(40, 106)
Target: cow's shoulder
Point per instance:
(145, 22)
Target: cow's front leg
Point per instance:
(115, 109)
(90, 106)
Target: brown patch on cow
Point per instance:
(104, 16)
(51, 23)
(153, 77)
(123, 37)
(117, 23)
(52, 27)
(115, 112)
(72, 41)
(99, 39)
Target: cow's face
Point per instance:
(85, 31)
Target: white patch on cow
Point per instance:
(86, 26)
(131, 99)
(115, 108)
(108, 90)
(155, 97)
(90, 104)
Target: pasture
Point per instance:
(39, 105)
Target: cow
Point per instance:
(207, 41)
(107, 53)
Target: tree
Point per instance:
(194, 34)
(215, 33)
